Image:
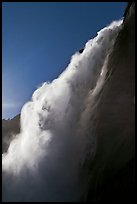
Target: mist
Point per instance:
(43, 161)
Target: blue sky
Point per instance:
(38, 39)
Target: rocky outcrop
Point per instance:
(10, 127)
(111, 175)
(81, 50)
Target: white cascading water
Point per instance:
(42, 162)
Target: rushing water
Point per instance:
(42, 162)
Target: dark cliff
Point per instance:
(111, 174)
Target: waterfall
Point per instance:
(42, 162)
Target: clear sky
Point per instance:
(38, 39)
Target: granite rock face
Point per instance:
(111, 175)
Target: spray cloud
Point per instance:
(42, 162)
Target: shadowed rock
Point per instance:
(9, 129)
(80, 51)
(111, 175)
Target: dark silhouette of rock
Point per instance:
(10, 127)
(111, 174)
(80, 51)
